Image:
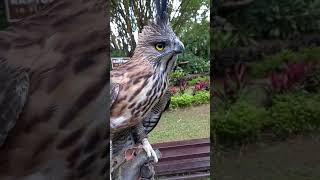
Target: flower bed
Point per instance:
(188, 93)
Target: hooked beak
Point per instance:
(178, 46)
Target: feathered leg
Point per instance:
(140, 135)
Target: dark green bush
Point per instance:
(278, 18)
(274, 63)
(231, 39)
(311, 54)
(196, 64)
(241, 123)
(295, 113)
(223, 40)
(311, 83)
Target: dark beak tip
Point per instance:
(180, 50)
(179, 47)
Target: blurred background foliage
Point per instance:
(239, 23)
(266, 69)
(277, 18)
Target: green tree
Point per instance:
(196, 39)
(128, 17)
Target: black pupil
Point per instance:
(160, 46)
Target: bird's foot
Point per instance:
(149, 150)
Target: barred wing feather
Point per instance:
(151, 121)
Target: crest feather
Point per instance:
(161, 6)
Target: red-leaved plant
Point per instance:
(201, 85)
(237, 75)
(284, 81)
(183, 84)
(233, 82)
(173, 90)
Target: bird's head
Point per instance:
(157, 42)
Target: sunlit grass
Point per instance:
(187, 123)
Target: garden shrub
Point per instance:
(181, 100)
(311, 83)
(223, 40)
(196, 64)
(201, 97)
(275, 62)
(311, 54)
(295, 113)
(194, 81)
(234, 82)
(255, 95)
(177, 76)
(185, 99)
(200, 86)
(289, 78)
(241, 123)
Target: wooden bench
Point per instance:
(189, 159)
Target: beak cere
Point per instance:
(178, 46)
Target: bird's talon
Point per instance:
(149, 150)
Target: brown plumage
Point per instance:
(144, 79)
(132, 83)
(138, 85)
(53, 101)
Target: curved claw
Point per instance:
(149, 150)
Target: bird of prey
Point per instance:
(127, 140)
(53, 90)
(138, 85)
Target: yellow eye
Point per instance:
(159, 46)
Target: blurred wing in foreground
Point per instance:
(13, 95)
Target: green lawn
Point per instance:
(181, 124)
